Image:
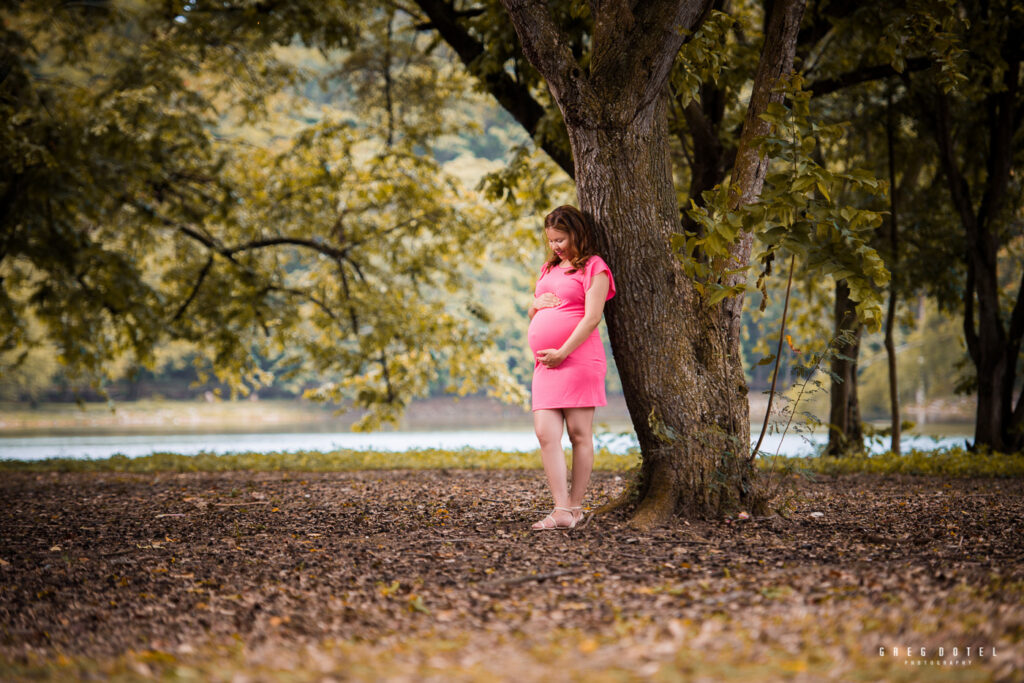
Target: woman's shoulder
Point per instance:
(596, 266)
(595, 262)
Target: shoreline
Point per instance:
(442, 413)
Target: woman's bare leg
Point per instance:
(548, 426)
(580, 422)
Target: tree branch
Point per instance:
(864, 74)
(104, 301)
(512, 95)
(195, 289)
(324, 249)
(305, 295)
(547, 48)
(776, 60)
(778, 358)
(354, 319)
(958, 188)
(711, 159)
(460, 14)
(352, 315)
(1000, 149)
(672, 23)
(229, 253)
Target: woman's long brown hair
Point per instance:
(571, 220)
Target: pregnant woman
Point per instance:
(569, 365)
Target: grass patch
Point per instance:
(951, 462)
(946, 462)
(311, 461)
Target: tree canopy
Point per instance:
(136, 208)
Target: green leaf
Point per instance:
(823, 191)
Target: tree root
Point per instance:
(658, 505)
(623, 500)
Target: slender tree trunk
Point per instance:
(845, 433)
(133, 384)
(895, 418)
(894, 258)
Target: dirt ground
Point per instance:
(435, 575)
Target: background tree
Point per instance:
(953, 76)
(845, 433)
(134, 212)
(977, 129)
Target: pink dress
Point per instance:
(578, 381)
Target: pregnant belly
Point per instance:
(550, 328)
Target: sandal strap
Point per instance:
(545, 526)
(566, 509)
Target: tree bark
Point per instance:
(845, 434)
(678, 358)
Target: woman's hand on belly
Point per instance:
(546, 300)
(551, 358)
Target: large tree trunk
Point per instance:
(998, 424)
(678, 358)
(845, 433)
(684, 389)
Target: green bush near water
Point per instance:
(952, 462)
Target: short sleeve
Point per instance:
(543, 271)
(595, 265)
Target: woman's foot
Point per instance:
(577, 514)
(559, 518)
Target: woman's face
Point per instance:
(560, 242)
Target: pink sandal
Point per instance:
(556, 525)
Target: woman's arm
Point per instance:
(593, 308)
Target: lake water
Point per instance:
(134, 445)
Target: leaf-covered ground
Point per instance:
(434, 574)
